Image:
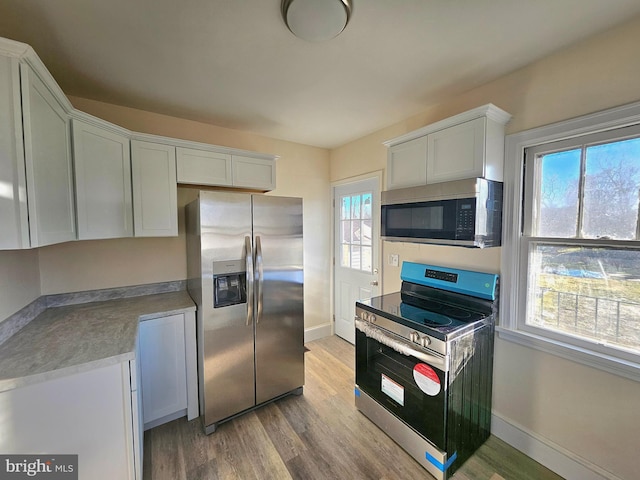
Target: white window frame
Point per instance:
(514, 271)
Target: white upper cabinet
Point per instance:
(407, 164)
(14, 216)
(464, 146)
(203, 167)
(456, 152)
(103, 182)
(155, 203)
(52, 181)
(256, 173)
(209, 167)
(48, 163)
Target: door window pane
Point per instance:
(355, 206)
(355, 257)
(345, 256)
(356, 231)
(365, 229)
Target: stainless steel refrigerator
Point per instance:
(245, 269)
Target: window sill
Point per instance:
(583, 356)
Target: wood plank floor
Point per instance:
(318, 435)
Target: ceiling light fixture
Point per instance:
(316, 20)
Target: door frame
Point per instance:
(375, 213)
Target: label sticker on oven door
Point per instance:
(393, 389)
(427, 379)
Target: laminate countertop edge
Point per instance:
(67, 340)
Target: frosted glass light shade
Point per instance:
(316, 20)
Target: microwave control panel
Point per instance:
(465, 218)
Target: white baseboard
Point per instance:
(316, 333)
(563, 462)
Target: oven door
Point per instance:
(407, 381)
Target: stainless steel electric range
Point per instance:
(424, 363)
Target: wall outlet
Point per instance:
(394, 260)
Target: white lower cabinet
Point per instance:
(167, 355)
(89, 414)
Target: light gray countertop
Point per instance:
(71, 339)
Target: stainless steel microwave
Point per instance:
(466, 213)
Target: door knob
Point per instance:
(374, 283)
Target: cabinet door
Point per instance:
(202, 167)
(48, 163)
(257, 173)
(103, 182)
(163, 369)
(407, 164)
(13, 185)
(456, 152)
(88, 414)
(155, 197)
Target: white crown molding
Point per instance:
(11, 48)
(489, 111)
(24, 53)
(176, 142)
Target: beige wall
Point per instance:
(588, 412)
(19, 280)
(302, 171)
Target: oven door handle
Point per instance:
(398, 345)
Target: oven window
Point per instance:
(389, 378)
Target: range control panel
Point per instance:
(440, 275)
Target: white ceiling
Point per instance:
(234, 63)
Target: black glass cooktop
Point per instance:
(424, 315)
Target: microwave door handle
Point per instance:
(260, 277)
(398, 345)
(250, 277)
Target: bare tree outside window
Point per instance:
(588, 193)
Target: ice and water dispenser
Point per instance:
(229, 283)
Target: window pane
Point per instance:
(366, 205)
(558, 196)
(590, 292)
(355, 206)
(366, 232)
(366, 259)
(345, 231)
(355, 257)
(345, 211)
(612, 183)
(345, 256)
(355, 231)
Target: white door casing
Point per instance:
(356, 249)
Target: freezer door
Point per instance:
(226, 333)
(277, 230)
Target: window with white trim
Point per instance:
(575, 244)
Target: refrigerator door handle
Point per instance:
(250, 278)
(260, 277)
